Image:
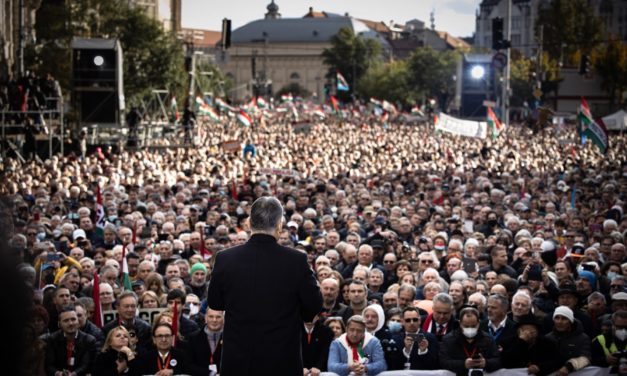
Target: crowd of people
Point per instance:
(432, 251)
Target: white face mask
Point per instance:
(621, 334)
(470, 332)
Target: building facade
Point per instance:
(524, 15)
(280, 51)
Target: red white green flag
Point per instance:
(494, 123)
(587, 127)
(243, 118)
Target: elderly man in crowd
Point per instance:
(374, 197)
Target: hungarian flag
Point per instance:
(287, 98)
(342, 85)
(494, 123)
(319, 113)
(224, 106)
(95, 294)
(587, 127)
(416, 111)
(126, 280)
(243, 118)
(334, 104)
(174, 111)
(389, 107)
(261, 103)
(100, 214)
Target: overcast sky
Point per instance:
(454, 16)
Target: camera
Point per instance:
(416, 337)
(475, 372)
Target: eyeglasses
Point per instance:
(426, 261)
(414, 319)
(163, 336)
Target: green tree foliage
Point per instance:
(387, 81)
(610, 63)
(523, 77)
(211, 79)
(351, 55)
(432, 74)
(569, 26)
(152, 57)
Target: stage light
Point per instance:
(477, 72)
(98, 61)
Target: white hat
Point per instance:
(379, 310)
(292, 224)
(564, 311)
(619, 296)
(79, 233)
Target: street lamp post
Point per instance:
(506, 84)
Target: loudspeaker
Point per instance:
(98, 88)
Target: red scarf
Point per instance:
(356, 347)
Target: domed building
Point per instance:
(281, 51)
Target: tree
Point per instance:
(210, 78)
(152, 57)
(432, 74)
(523, 76)
(387, 81)
(568, 26)
(610, 62)
(351, 55)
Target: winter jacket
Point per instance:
(454, 347)
(339, 358)
(573, 347)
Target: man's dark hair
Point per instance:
(67, 309)
(410, 309)
(360, 283)
(176, 294)
(154, 330)
(469, 311)
(132, 255)
(265, 214)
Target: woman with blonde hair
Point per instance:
(115, 354)
(149, 300)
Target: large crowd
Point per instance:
(432, 251)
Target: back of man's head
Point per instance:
(266, 214)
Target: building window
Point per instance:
(516, 22)
(295, 77)
(516, 40)
(488, 41)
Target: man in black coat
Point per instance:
(205, 346)
(531, 350)
(69, 349)
(315, 341)
(267, 291)
(468, 347)
(127, 308)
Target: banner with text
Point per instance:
(466, 128)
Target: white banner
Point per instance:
(466, 128)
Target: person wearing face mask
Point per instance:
(608, 349)
(530, 349)
(469, 349)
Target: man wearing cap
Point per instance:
(198, 279)
(608, 348)
(278, 283)
(530, 349)
(568, 297)
(573, 344)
